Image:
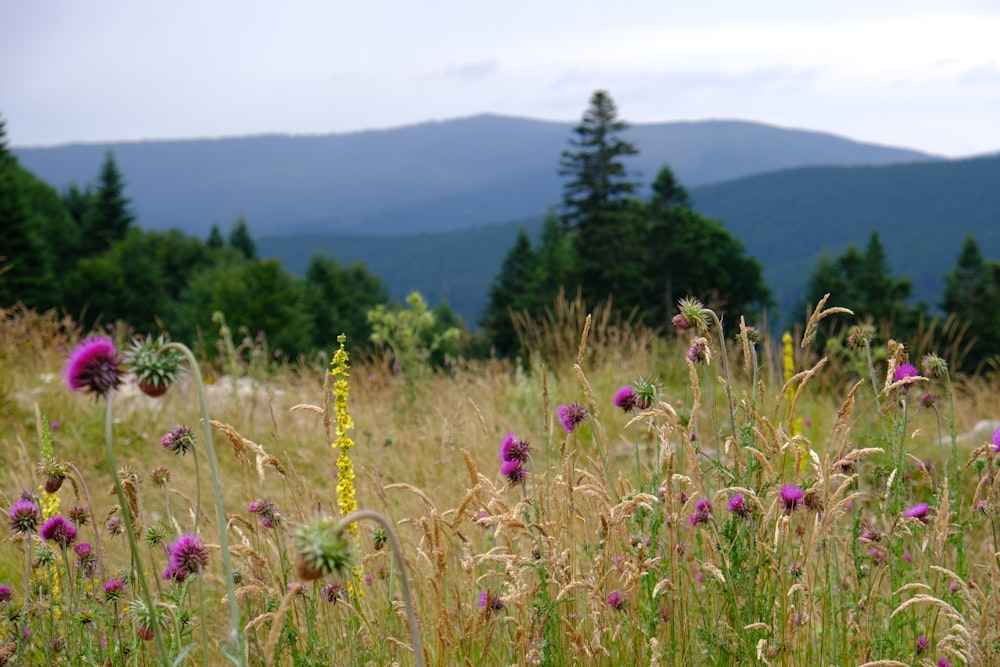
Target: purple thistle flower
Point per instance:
(266, 511)
(490, 603)
(571, 416)
(699, 352)
(943, 662)
(680, 322)
(995, 440)
(188, 556)
(740, 507)
(512, 449)
(918, 511)
(333, 591)
(615, 601)
(928, 399)
(626, 399)
(905, 374)
(921, 644)
(514, 471)
(791, 496)
(5, 594)
(179, 439)
(702, 512)
(93, 365)
(58, 530)
(115, 526)
(86, 559)
(24, 516)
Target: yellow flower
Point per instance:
(346, 493)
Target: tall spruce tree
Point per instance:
(240, 239)
(512, 292)
(972, 287)
(108, 217)
(599, 206)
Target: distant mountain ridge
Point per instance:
(786, 219)
(428, 177)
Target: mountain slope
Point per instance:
(428, 177)
(785, 219)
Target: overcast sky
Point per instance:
(919, 74)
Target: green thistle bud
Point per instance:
(647, 392)
(54, 471)
(155, 369)
(321, 549)
(933, 365)
(379, 538)
(692, 314)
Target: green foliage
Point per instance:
(240, 239)
(513, 291)
(971, 292)
(862, 282)
(255, 296)
(215, 239)
(413, 334)
(338, 299)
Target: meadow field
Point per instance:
(615, 497)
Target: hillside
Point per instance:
(785, 219)
(433, 176)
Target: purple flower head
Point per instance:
(928, 399)
(680, 322)
(93, 365)
(179, 439)
(571, 416)
(791, 496)
(78, 515)
(86, 559)
(490, 603)
(740, 507)
(512, 449)
(702, 512)
(115, 526)
(266, 511)
(995, 440)
(943, 662)
(921, 644)
(918, 511)
(514, 471)
(5, 594)
(333, 591)
(24, 516)
(905, 374)
(615, 601)
(188, 557)
(626, 399)
(58, 530)
(699, 352)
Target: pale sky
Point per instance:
(917, 74)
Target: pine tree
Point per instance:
(108, 217)
(554, 261)
(971, 289)
(512, 292)
(240, 239)
(215, 239)
(599, 207)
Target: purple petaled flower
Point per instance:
(740, 507)
(928, 399)
(702, 512)
(179, 439)
(5, 594)
(86, 559)
(681, 322)
(58, 530)
(921, 644)
(512, 449)
(333, 591)
(24, 516)
(266, 511)
(905, 374)
(514, 471)
(699, 352)
(943, 662)
(626, 399)
(571, 416)
(188, 557)
(995, 440)
(918, 511)
(490, 603)
(615, 601)
(115, 526)
(78, 515)
(791, 496)
(93, 365)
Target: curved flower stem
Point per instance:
(133, 546)
(397, 552)
(725, 368)
(227, 567)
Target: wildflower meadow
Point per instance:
(615, 497)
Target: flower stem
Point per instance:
(127, 520)
(397, 552)
(725, 368)
(227, 568)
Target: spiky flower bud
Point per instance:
(692, 314)
(861, 335)
(179, 439)
(155, 369)
(54, 471)
(647, 392)
(933, 365)
(321, 549)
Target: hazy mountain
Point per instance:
(428, 177)
(785, 219)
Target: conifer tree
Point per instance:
(240, 239)
(108, 217)
(599, 207)
(215, 239)
(971, 289)
(511, 292)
